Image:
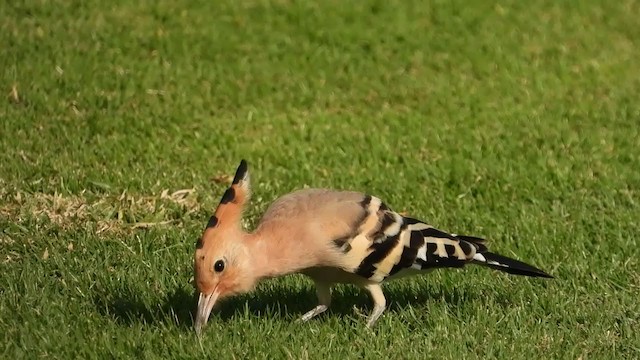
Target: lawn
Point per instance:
(121, 123)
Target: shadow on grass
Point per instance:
(276, 300)
(128, 306)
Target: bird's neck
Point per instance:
(273, 257)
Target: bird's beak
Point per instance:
(205, 305)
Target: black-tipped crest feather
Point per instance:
(213, 222)
(241, 171)
(228, 196)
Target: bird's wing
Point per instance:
(385, 243)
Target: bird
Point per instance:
(331, 236)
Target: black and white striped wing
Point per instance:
(387, 244)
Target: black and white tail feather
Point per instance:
(508, 265)
(500, 262)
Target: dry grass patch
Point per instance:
(106, 213)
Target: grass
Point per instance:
(511, 120)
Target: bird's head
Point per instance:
(221, 263)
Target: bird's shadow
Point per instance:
(128, 305)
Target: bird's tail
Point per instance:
(508, 265)
(499, 262)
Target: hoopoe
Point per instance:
(330, 236)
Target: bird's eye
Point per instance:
(218, 266)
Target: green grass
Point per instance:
(517, 121)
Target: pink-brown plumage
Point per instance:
(330, 236)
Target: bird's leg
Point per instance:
(379, 303)
(323, 291)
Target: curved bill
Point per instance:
(205, 305)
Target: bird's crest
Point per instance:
(229, 211)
